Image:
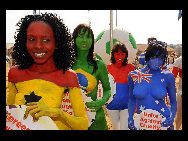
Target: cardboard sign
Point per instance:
(15, 121)
(149, 120)
(66, 106)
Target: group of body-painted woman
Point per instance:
(50, 62)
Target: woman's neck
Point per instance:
(49, 66)
(117, 65)
(82, 55)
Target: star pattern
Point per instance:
(162, 109)
(32, 98)
(156, 101)
(142, 107)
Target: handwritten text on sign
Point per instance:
(149, 120)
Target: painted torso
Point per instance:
(89, 83)
(87, 79)
(120, 75)
(150, 90)
(49, 87)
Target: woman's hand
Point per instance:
(168, 122)
(131, 125)
(38, 109)
(96, 105)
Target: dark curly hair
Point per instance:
(119, 45)
(90, 59)
(64, 55)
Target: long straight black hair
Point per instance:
(90, 59)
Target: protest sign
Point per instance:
(15, 121)
(149, 120)
(66, 106)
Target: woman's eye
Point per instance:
(31, 39)
(45, 40)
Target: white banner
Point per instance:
(15, 121)
(149, 120)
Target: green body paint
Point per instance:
(84, 44)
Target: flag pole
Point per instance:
(111, 29)
(116, 18)
(89, 17)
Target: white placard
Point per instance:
(15, 120)
(149, 120)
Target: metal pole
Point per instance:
(116, 18)
(39, 12)
(111, 29)
(89, 17)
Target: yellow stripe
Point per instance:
(92, 82)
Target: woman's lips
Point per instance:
(84, 45)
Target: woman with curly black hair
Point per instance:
(64, 55)
(43, 53)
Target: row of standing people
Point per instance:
(147, 87)
(44, 55)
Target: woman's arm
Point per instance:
(12, 75)
(103, 77)
(173, 103)
(172, 94)
(79, 121)
(131, 105)
(12, 94)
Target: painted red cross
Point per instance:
(139, 76)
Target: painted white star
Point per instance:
(156, 101)
(162, 109)
(142, 108)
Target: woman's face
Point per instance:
(155, 63)
(119, 57)
(84, 41)
(171, 60)
(40, 42)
